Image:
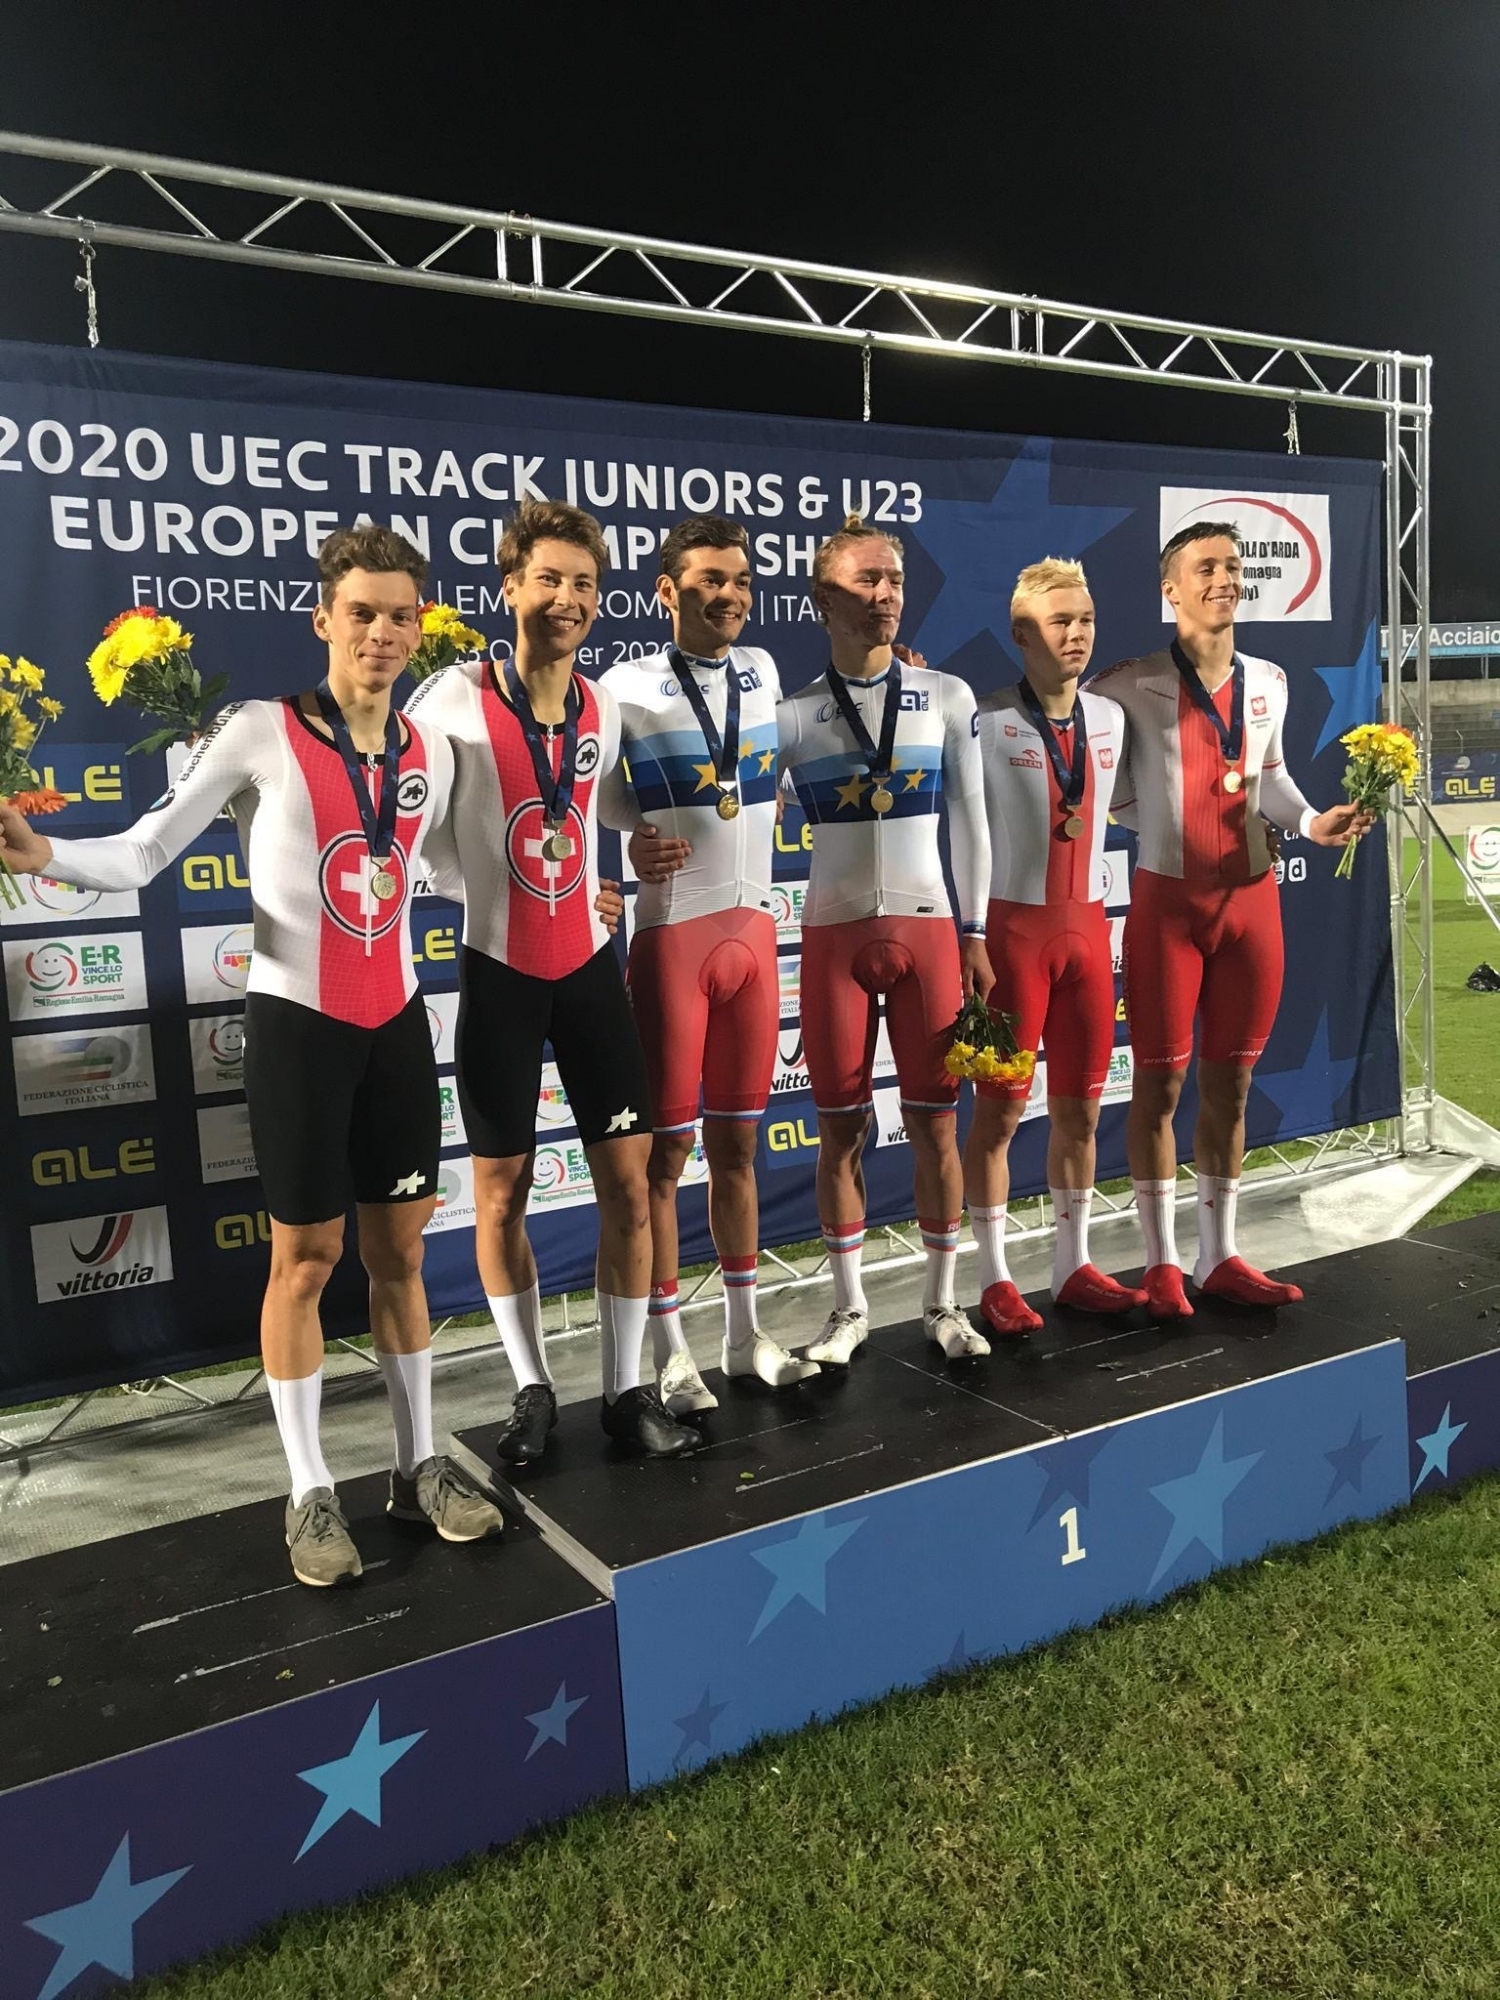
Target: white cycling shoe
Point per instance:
(683, 1389)
(843, 1331)
(950, 1330)
(768, 1361)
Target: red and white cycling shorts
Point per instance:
(1197, 948)
(914, 963)
(1053, 971)
(707, 1008)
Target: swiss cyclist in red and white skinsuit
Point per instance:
(1203, 937)
(1047, 934)
(876, 749)
(703, 978)
(531, 740)
(340, 1081)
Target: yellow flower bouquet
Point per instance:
(25, 711)
(1381, 755)
(984, 1047)
(148, 658)
(445, 638)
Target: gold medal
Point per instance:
(1233, 780)
(382, 885)
(1073, 826)
(881, 800)
(728, 806)
(557, 846)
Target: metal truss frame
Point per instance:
(146, 201)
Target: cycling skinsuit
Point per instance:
(1047, 934)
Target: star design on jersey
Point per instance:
(747, 751)
(412, 1184)
(914, 780)
(623, 1120)
(708, 779)
(850, 792)
(767, 762)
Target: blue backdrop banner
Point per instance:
(133, 1236)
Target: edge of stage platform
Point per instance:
(909, 1518)
(1453, 1394)
(194, 1745)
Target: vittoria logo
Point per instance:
(100, 1253)
(346, 870)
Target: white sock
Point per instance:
(845, 1242)
(297, 1404)
(622, 1335)
(667, 1336)
(518, 1321)
(1070, 1216)
(940, 1241)
(408, 1383)
(988, 1225)
(1217, 1202)
(1156, 1205)
(740, 1323)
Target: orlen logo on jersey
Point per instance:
(530, 867)
(232, 955)
(100, 1253)
(1284, 542)
(346, 871)
(1028, 760)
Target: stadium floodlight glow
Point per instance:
(195, 209)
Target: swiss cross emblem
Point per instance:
(345, 870)
(530, 867)
(1257, 704)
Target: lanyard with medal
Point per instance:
(556, 794)
(379, 828)
(1231, 735)
(1070, 782)
(879, 760)
(723, 751)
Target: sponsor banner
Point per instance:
(49, 903)
(1482, 852)
(100, 1253)
(455, 1197)
(1471, 778)
(100, 973)
(216, 963)
(1116, 878)
(1121, 1074)
(1036, 1102)
(553, 1111)
(790, 1074)
(442, 1023)
(83, 1070)
(789, 978)
(94, 778)
(452, 1116)
(218, 1045)
(241, 1229)
(791, 1138)
(212, 875)
(695, 1172)
(434, 942)
(1285, 541)
(1479, 637)
(890, 1119)
(787, 899)
(1117, 945)
(560, 1176)
(224, 1148)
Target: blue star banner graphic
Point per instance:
(138, 1238)
(765, 1630)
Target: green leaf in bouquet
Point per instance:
(157, 740)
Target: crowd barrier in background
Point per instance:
(135, 1240)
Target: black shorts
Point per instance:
(505, 1016)
(336, 1109)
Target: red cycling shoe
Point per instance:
(1235, 1279)
(1091, 1290)
(1006, 1312)
(1166, 1297)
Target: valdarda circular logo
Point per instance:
(51, 968)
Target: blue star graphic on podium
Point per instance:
(1437, 1445)
(101, 1930)
(980, 545)
(351, 1784)
(1318, 1082)
(958, 1659)
(1353, 692)
(551, 1723)
(698, 1728)
(800, 1567)
(1067, 1467)
(1196, 1500)
(1348, 1460)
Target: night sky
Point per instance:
(1326, 169)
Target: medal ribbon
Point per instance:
(879, 760)
(380, 829)
(723, 751)
(556, 793)
(1231, 735)
(1070, 783)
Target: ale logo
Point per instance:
(51, 968)
(232, 956)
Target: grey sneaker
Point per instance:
(439, 1492)
(317, 1535)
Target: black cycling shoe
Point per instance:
(532, 1416)
(641, 1421)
